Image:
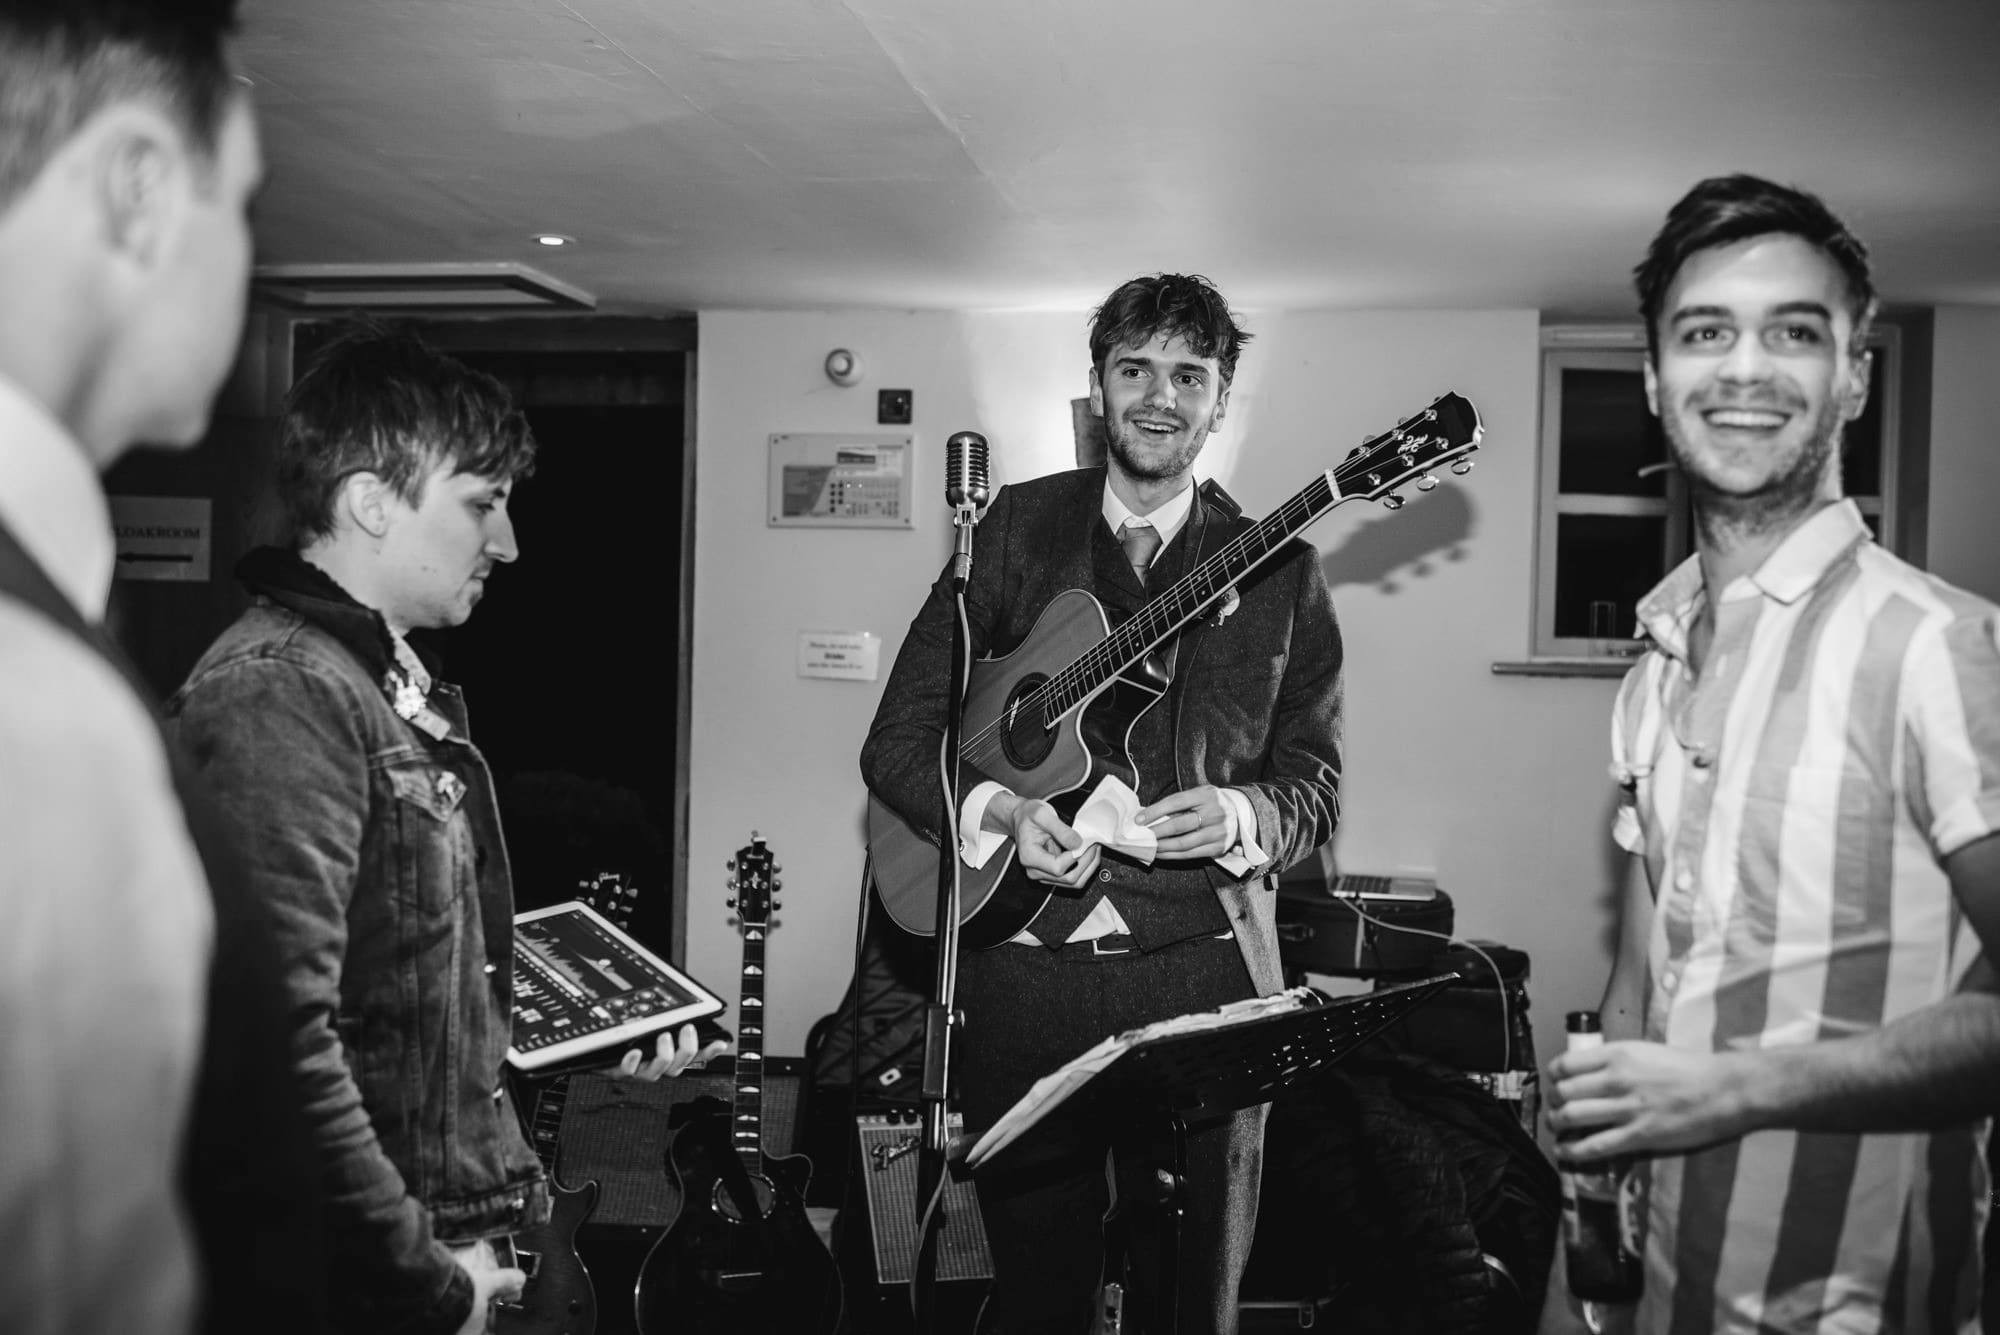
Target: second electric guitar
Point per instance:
(1024, 712)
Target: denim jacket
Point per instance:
(377, 849)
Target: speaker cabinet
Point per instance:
(615, 1131)
(888, 1172)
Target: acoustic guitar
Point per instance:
(741, 1256)
(1050, 718)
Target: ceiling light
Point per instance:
(554, 239)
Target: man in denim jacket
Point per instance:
(367, 815)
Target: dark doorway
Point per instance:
(570, 665)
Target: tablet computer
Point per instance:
(583, 985)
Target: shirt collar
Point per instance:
(53, 502)
(1792, 570)
(1167, 518)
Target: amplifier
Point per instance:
(888, 1171)
(1366, 933)
(615, 1131)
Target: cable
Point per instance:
(923, 1224)
(1499, 979)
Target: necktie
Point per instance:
(1140, 542)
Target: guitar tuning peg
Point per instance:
(1462, 467)
(1392, 501)
(777, 882)
(730, 864)
(729, 903)
(1426, 483)
(777, 866)
(777, 904)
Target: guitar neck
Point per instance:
(1173, 609)
(545, 1128)
(747, 1124)
(1445, 431)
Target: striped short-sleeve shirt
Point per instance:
(1793, 804)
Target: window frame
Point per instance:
(1621, 348)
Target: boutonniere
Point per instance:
(1230, 602)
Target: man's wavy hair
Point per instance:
(62, 61)
(1168, 305)
(1723, 210)
(378, 399)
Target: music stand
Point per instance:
(1160, 1084)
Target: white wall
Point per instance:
(1965, 465)
(1495, 783)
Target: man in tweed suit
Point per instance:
(1238, 768)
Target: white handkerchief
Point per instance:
(1106, 818)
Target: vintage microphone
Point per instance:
(966, 491)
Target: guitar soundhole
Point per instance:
(1023, 737)
(730, 1208)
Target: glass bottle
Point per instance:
(1600, 1242)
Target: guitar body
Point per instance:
(1060, 765)
(559, 1298)
(741, 1257)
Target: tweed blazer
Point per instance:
(1256, 700)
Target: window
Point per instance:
(1613, 513)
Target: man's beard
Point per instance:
(1775, 504)
(1127, 444)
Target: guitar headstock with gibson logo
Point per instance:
(752, 877)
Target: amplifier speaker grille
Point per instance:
(888, 1169)
(615, 1131)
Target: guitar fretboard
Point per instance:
(545, 1130)
(1449, 427)
(747, 1127)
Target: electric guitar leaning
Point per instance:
(559, 1298)
(740, 1257)
(1024, 712)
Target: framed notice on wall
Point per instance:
(836, 480)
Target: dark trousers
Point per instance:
(1027, 1011)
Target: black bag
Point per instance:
(1407, 1195)
(884, 1006)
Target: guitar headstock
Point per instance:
(1446, 432)
(753, 881)
(609, 893)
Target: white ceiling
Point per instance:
(971, 154)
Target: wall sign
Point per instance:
(162, 537)
(852, 655)
(832, 480)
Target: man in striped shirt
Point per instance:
(1805, 1036)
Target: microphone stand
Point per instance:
(941, 1016)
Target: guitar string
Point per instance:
(1063, 689)
(1157, 626)
(1053, 697)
